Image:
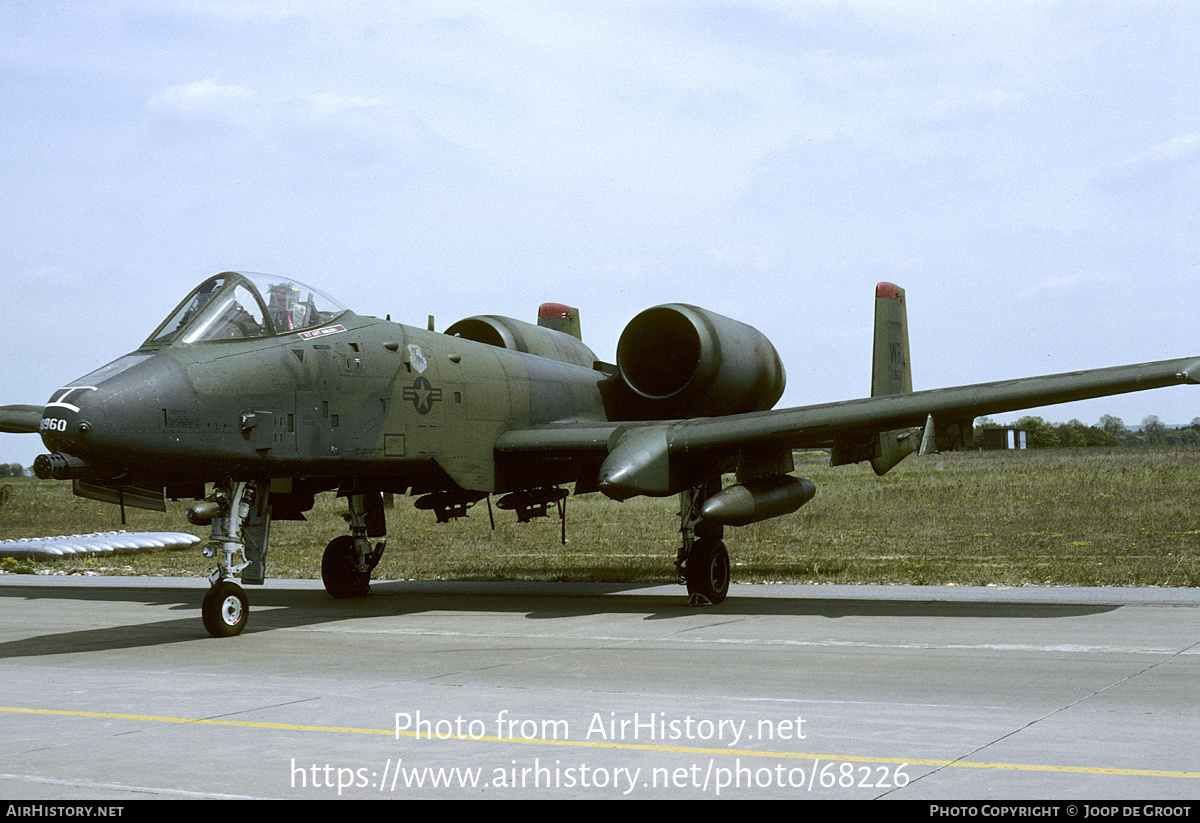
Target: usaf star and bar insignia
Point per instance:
(421, 393)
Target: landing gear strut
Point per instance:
(349, 560)
(240, 521)
(703, 561)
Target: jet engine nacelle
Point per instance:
(678, 361)
(508, 333)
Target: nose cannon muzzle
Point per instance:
(59, 466)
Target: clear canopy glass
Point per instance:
(236, 305)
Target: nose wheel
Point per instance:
(225, 609)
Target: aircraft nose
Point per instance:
(70, 414)
(107, 417)
(67, 421)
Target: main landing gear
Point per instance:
(703, 561)
(348, 560)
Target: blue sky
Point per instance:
(1026, 171)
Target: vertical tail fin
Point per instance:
(890, 372)
(560, 318)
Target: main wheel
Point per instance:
(707, 569)
(339, 569)
(225, 609)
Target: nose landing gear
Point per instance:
(238, 513)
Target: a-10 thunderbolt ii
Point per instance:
(258, 393)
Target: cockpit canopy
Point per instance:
(236, 305)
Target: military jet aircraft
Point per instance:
(258, 393)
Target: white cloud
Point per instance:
(325, 105)
(1079, 282)
(994, 99)
(1160, 162)
(1176, 150)
(200, 97)
(740, 256)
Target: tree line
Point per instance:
(1110, 431)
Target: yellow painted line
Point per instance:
(197, 722)
(596, 744)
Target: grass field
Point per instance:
(1077, 517)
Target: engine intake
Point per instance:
(683, 361)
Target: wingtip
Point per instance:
(885, 289)
(1191, 372)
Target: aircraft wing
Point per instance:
(820, 425)
(20, 419)
(663, 457)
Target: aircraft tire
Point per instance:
(338, 572)
(707, 570)
(225, 609)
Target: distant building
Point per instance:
(1003, 438)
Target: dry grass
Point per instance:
(1113, 517)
